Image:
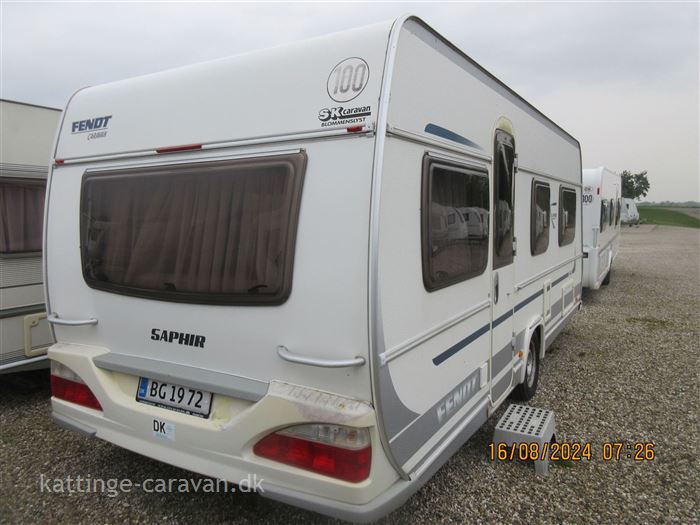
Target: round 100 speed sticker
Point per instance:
(348, 79)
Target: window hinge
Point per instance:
(512, 342)
(515, 163)
(515, 246)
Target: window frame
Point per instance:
(603, 214)
(426, 200)
(560, 234)
(298, 162)
(533, 210)
(503, 139)
(37, 181)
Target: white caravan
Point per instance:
(27, 134)
(630, 213)
(602, 190)
(249, 266)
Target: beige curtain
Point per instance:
(21, 216)
(221, 230)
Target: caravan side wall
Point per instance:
(456, 338)
(27, 135)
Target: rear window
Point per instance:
(21, 215)
(212, 233)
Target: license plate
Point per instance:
(174, 397)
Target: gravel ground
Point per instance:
(625, 369)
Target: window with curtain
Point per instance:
(214, 233)
(21, 215)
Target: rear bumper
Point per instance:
(221, 446)
(390, 499)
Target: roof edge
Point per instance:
(401, 22)
(29, 104)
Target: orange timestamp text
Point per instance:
(575, 451)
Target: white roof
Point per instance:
(27, 134)
(272, 92)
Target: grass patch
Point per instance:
(667, 217)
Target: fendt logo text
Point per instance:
(91, 124)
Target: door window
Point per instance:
(504, 156)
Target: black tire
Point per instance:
(526, 390)
(606, 280)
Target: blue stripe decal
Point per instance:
(527, 301)
(444, 133)
(561, 279)
(462, 344)
(444, 356)
(505, 316)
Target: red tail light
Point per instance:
(175, 149)
(66, 385)
(309, 447)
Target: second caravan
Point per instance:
(293, 274)
(602, 209)
(27, 134)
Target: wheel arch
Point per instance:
(535, 327)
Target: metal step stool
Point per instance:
(521, 424)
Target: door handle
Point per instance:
(495, 287)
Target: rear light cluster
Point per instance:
(67, 385)
(332, 450)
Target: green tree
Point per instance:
(634, 185)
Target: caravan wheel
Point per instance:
(606, 280)
(526, 390)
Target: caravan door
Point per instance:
(503, 275)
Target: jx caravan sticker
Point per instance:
(340, 115)
(96, 127)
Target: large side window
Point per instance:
(21, 215)
(539, 218)
(213, 233)
(603, 214)
(455, 223)
(504, 155)
(567, 216)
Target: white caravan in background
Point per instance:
(27, 134)
(476, 220)
(630, 213)
(249, 267)
(602, 207)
